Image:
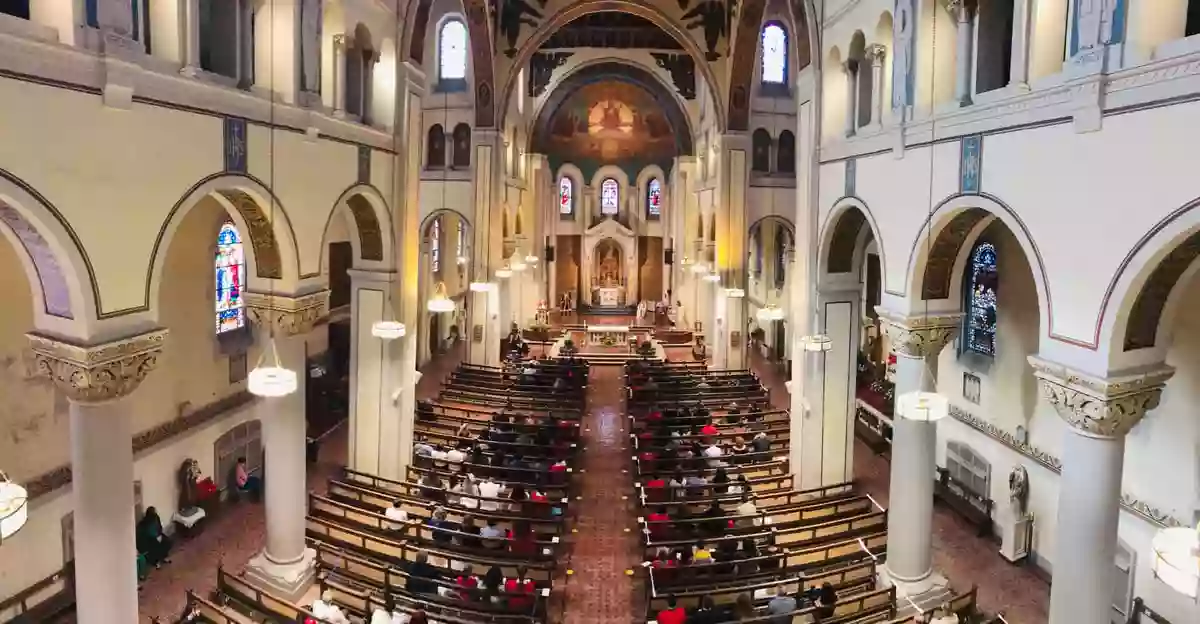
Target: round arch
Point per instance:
(272, 253)
(1141, 304)
(957, 222)
(61, 278)
(839, 248)
(366, 213)
(641, 8)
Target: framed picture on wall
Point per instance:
(971, 388)
(237, 367)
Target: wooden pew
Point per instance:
(845, 578)
(255, 601)
(800, 536)
(199, 609)
(364, 498)
(46, 600)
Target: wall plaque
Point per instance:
(235, 143)
(477, 333)
(735, 339)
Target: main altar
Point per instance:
(611, 249)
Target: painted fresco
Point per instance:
(609, 122)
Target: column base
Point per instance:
(926, 593)
(289, 581)
(191, 71)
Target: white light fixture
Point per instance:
(699, 268)
(817, 344)
(922, 406)
(769, 314)
(273, 380)
(461, 259)
(439, 302)
(735, 293)
(480, 286)
(532, 259)
(713, 278)
(517, 264)
(14, 507)
(388, 330)
(1177, 559)
(504, 272)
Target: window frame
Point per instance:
(449, 84)
(653, 215)
(967, 344)
(240, 306)
(773, 87)
(569, 182)
(435, 245)
(613, 183)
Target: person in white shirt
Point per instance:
(713, 455)
(381, 617)
(324, 609)
(747, 508)
(397, 516)
(455, 458)
(490, 490)
(944, 615)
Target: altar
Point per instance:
(610, 296)
(610, 253)
(607, 335)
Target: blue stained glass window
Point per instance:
(230, 266)
(609, 196)
(654, 199)
(981, 301)
(774, 54)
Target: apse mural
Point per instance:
(610, 123)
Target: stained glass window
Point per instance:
(566, 196)
(230, 265)
(435, 244)
(758, 253)
(654, 199)
(981, 301)
(610, 196)
(774, 54)
(452, 44)
(461, 251)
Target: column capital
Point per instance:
(1100, 408)
(97, 373)
(876, 53)
(959, 9)
(290, 315)
(919, 336)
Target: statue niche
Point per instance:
(608, 274)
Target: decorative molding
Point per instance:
(876, 53)
(61, 476)
(262, 235)
(370, 234)
(92, 374)
(290, 316)
(943, 253)
(1129, 503)
(1102, 408)
(1141, 330)
(919, 336)
(56, 296)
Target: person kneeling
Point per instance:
(151, 541)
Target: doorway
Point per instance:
(435, 334)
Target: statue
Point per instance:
(1018, 490)
(189, 479)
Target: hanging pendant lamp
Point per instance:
(440, 302)
(14, 507)
(272, 380)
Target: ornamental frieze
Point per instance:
(919, 336)
(92, 374)
(288, 316)
(1105, 408)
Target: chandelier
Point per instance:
(1177, 559)
(274, 380)
(388, 330)
(504, 272)
(769, 314)
(14, 507)
(440, 302)
(922, 406)
(817, 344)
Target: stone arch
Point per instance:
(61, 278)
(744, 54)
(956, 222)
(842, 238)
(641, 8)
(366, 212)
(1146, 286)
(272, 253)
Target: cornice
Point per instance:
(97, 373)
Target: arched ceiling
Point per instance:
(612, 114)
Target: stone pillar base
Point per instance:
(289, 581)
(925, 593)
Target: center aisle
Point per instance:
(600, 590)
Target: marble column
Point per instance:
(95, 379)
(408, 132)
(876, 54)
(851, 70)
(1100, 413)
(286, 565)
(917, 342)
(191, 38)
(962, 56)
(486, 323)
(376, 444)
(339, 75)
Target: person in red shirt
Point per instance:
(656, 523)
(523, 541)
(468, 584)
(672, 614)
(520, 591)
(709, 430)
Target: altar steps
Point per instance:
(607, 310)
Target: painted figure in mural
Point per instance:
(713, 17)
(902, 35)
(512, 14)
(310, 45)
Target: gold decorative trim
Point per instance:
(919, 336)
(1129, 503)
(939, 266)
(290, 316)
(1097, 407)
(370, 234)
(261, 233)
(96, 373)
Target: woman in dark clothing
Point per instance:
(151, 541)
(826, 601)
(720, 482)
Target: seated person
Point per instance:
(656, 523)
(712, 455)
(523, 541)
(246, 482)
(471, 540)
(701, 553)
(713, 523)
(749, 512)
(761, 443)
(708, 613)
(422, 576)
(491, 584)
(943, 615)
(781, 606)
(397, 515)
(738, 449)
(491, 535)
(467, 583)
(151, 541)
(490, 491)
(325, 609)
(827, 600)
(432, 488)
(441, 526)
(673, 614)
(520, 591)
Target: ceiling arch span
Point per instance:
(641, 8)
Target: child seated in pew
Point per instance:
(325, 609)
(397, 516)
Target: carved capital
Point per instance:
(1101, 408)
(876, 53)
(959, 9)
(289, 316)
(97, 373)
(919, 336)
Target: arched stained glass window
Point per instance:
(230, 265)
(435, 245)
(566, 196)
(783, 245)
(610, 196)
(653, 199)
(452, 51)
(774, 54)
(461, 250)
(758, 253)
(981, 301)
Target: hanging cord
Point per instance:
(928, 368)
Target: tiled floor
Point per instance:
(599, 590)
